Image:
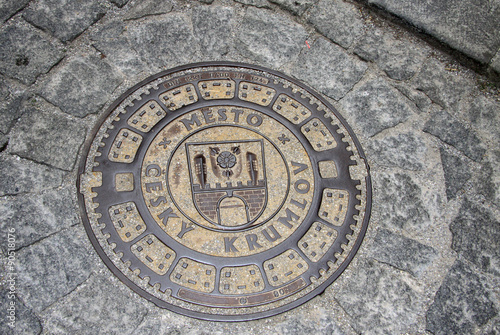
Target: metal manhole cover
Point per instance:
(225, 191)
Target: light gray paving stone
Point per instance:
(25, 53)
(337, 20)
(376, 106)
(443, 87)
(53, 267)
(11, 98)
(256, 3)
(402, 253)
(469, 26)
(379, 302)
(213, 30)
(462, 303)
(150, 44)
(64, 19)
(10, 7)
(149, 7)
(405, 150)
(328, 68)
(39, 215)
(81, 86)
(47, 137)
(484, 114)
(296, 324)
(476, 236)
(96, 307)
(449, 130)
(269, 38)
(397, 57)
(495, 65)
(297, 7)
(19, 175)
(457, 171)
(112, 41)
(399, 200)
(20, 320)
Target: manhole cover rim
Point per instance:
(196, 314)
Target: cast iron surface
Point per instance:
(224, 191)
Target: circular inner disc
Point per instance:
(225, 191)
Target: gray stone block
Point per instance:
(212, 28)
(329, 69)
(19, 175)
(81, 86)
(443, 87)
(37, 216)
(379, 302)
(476, 236)
(399, 200)
(25, 321)
(376, 106)
(64, 19)
(269, 38)
(96, 307)
(484, 114)
(166, 49)
(47, 137)
(462, 303)
(298, 324)
(402, 253)
(447, 129)
(399, 58)
(53, 268)
(11, 98)
(256, 3)
(457, 171)
(495, 62)
(25, 53)
(469, 26)
(297, 7)
(337, 20)
(149, 7)
(11, 7)
(406, 151)
(119, 3)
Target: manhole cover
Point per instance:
(225, 191)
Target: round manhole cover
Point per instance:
(225, 191)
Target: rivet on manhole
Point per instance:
(223, 191)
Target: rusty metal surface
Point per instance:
(225, 191)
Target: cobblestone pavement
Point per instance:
(430, 262)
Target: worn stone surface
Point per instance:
(256, 3)
(376, 106)
(52, 268)
(402, 253)
(398, 57)
(119, 3)
(11, 98)
(399, 201)
(81, 86)
(476, 236)
(469, 26)
(25, 321)
(457, 171)
(147, 8)
(37, 216)
(405, 150)
(63, 18)
(386, 306)
(462, 303)
(321, 324)
(26, 52)
(19, 175)
(449, 130)
(495, 62)
(268, 39)
(115, 46)
(297, 7)
(337, 20)
(10, 7)
(443, 87)
(212, 28)
(47, 137)
(485, 116)
(97, 306)
(144, 38)
(327, 67)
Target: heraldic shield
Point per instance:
(228, 181)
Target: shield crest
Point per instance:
(228, 181)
